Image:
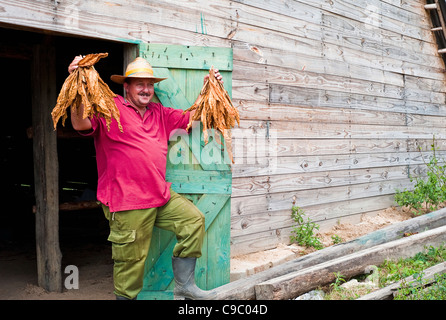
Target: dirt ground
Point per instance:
(18, 280)
(18, 274)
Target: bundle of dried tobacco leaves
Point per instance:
(215, 110)
(85, 86)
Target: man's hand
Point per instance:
(73, 65)
(217, 75)
(77, 120)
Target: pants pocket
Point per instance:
(124, 245)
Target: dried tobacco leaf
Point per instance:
(215, 110)
(85, 86)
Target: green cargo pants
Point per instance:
(131, 233)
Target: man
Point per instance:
(132, 187)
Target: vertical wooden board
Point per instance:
(158, 264)
(218, 254)
(191, 82)
(154, 251)
(182, 77)
(213, 207)
(201, 269)
(178, 154)
(227, 81)
(44, 96)
(169, 92)
(161, 274)
(194, 84)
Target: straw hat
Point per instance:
(138, 68)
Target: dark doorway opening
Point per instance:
(78, 228)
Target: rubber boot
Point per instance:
(185, 287)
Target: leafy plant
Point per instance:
(395, 270)
(430, 191)
(336, 239)
(339, 279)
(304, 233)
(391, 271)
(419, 290)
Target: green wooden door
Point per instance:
(200, 172)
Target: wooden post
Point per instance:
(130, 54)
(44, 98)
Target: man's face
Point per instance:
(139, 91)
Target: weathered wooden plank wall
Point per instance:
(334, 96)
(348, 89)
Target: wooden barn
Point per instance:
(336, 98)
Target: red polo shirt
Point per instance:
(132, 164)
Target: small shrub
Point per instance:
(304, 233)
(428, 192)
(336, 239)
